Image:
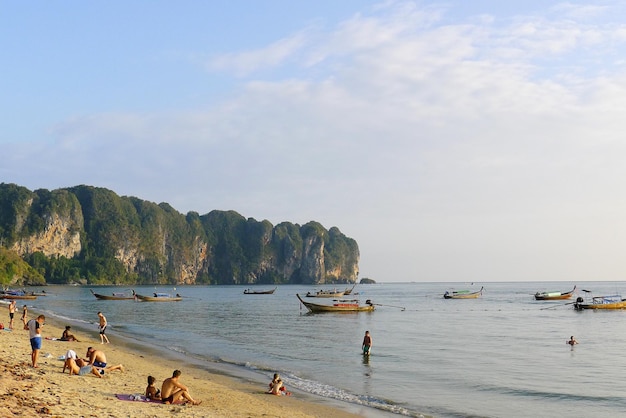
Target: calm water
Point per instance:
(503, 355)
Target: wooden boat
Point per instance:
(462, 294)
(352, 305)
(159, 297)
(259, 292)
(325, 294)
(601, 302)
(554, 295)
(114, 296)
(349, 290)
(10, 295)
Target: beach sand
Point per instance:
(46, 391)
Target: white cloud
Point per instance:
(480, 150)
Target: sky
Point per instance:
(454, 141)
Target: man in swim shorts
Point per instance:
(12, 309)
(98, 359)
(103, 328)
(367, 343)
(172, 390)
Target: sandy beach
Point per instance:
(46, 391)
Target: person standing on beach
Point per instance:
(34, 332)
(25, 316)
(367, 343)
(172, 390)
(103, 327)
(12, 309)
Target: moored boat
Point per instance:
(159, 297)
(601, 302)
(349, 290)
(259, 292)
(554, 295)
(340, 305)
(325, 294)
(17, 296)
(462, 294)
(114, 296)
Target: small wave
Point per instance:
(331, 392)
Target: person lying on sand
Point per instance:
(72, 365)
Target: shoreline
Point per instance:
(46, 390)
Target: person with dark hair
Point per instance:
(367, 343)
(572, 341)
(67, 335)
(151, 391)
(12, 309)
(98, 359)
(103, 327)
(34, 333)
(25, 316)
(172, 390)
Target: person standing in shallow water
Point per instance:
(367, 343)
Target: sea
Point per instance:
(501, 355)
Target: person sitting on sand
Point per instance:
(151, 391)
(172, 390)
(67, 335)
(275, 381)
(572, 341)
(70, 354)
(276, 387)
(98, 359)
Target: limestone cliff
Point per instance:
(91, 234)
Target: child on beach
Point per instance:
(277, 387)
(151, 391)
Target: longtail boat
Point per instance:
(554, 295)
(352, 305)
(259, 292)
(601, 302)
(462, 294)
(114, 296)
(325, 294)
(159, 297)
(13, 295)
(349, 290)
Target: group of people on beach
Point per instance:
(95, 363)
(172, 390)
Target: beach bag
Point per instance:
(1, 325)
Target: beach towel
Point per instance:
(140, 398)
